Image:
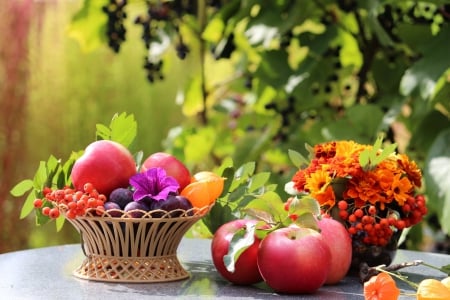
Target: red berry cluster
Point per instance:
(75, 203)
(375, 226)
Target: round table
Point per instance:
(46, 273)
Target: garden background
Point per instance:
(238, 79)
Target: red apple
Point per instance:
(171, 164)
(294, 260)
(246, 269)
(338, 239)
(106, 164)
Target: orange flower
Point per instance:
(325, 197)
(381, 287)
(411, 168)
(432, 289)
(317, 181)
(401, 189)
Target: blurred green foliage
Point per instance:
(255, 81)
(277, 75)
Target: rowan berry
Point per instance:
(343, 205)
(37, 203)
(384, 222)
(372, 210)
(352, 230)
(54, 213)
(358, 213)
(343, 214)
(88, 188)
(46, 210)
(406, 208)
(400, 224)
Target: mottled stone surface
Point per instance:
(46, 273)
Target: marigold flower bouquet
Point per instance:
(372, 191)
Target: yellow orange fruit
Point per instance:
(204, 189)
(205, 176)
(432, 289)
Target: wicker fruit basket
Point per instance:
(134, 250)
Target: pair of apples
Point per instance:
(290, 260)
(108, 165)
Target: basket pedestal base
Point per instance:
(131, 269)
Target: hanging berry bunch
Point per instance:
(160, 24)
(115, 29)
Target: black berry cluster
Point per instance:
(115, 29)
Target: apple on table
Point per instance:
(339, 241)
(294, 260)
(246, 270)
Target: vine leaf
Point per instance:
(88, 25)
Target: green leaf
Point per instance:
(40, 178)
(364, 159)
(59, 222)
(297, 159)
(305, 204)
(123, 129)
(307, 220)
(88, 25)
(241, 240)
(258, 180)
(193, 98)
(269, 202)
(22, 187)
(437, 178)
(103, 132)
(424, 74)
(27, 206)
(445, 269)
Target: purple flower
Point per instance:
(153, 183)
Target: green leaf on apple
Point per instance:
(241, 240)
(122, 129)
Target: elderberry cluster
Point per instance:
(115, 29)
(160, 20)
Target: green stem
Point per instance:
(434, 267)
(398, 276)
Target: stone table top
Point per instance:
(46, 273)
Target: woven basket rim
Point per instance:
(94, 213)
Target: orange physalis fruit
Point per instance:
(204, 189)
(381, 287)
(432, 289)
